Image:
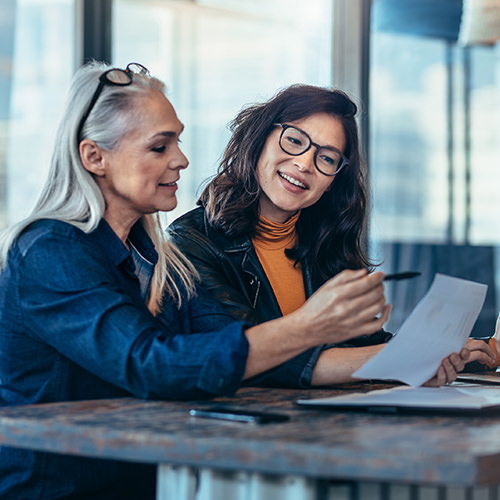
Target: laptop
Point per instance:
(451, 399)
(480, 377)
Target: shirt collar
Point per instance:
(114, 247)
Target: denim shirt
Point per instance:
(74, 325)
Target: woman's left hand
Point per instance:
(450, 366)
(481, 352)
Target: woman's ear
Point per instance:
(92, 158)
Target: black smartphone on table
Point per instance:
(238, 415)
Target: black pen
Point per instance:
(402, 276)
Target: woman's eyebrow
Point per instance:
(170, 133)
(166, 133)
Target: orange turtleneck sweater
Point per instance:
(286, 280)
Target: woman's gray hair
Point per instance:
(70, 193)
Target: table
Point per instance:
(317, 455)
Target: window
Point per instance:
(434, 122)
(37, 64)
(434, 151)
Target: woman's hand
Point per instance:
(496, 336)
(450, 366)
(349, 305)
(480, 351)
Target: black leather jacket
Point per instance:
(230, 269)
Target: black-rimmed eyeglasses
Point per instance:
(113, 76)
(327, 159)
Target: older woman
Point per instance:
(95, 303)
(284, 214)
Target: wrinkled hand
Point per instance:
(450, 366)
(348, 305)
(496, 336)
(480, 351)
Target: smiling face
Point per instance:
(140, 175)
(290, 183)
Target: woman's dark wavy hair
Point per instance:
(330, 233)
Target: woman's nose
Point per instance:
(305, 161)
(182, 160)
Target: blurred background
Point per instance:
(425, 73)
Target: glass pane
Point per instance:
(37, 64)
(485, 144)
(408, 148)
(218, 55)
(434, 153)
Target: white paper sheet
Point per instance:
(439, 325)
